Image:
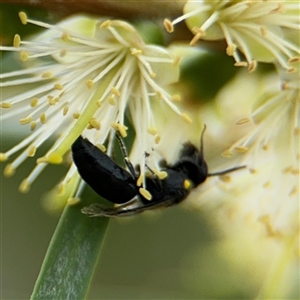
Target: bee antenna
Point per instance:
(226, 171)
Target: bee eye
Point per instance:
(196, 173)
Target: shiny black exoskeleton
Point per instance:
(119, 186)
(102, 174)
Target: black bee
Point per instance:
(119, 186)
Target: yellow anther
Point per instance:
(42, 160)
(152, 75)
(65, 36)
(265, 147)
(241, 64)
(287, 170)
(225, 178)
(34, 102)
(24, 55)
(95, 124)
(186, 118)
(176, 98)
(159, 95)
(3, 157)
(101, 147)
(227, 153)
(99, 103)
(280, 8)
(140, 180)
(135, 51)
(284, 85)
(187, 184)
(263, 31)
(119, 127)
(61, 189)
(47, 75)
(105, 24)
(33, 125)
(152, 130)
(51, 100)
(291, 70)
(294, 60)
(145, 193)
(54, 158)
(241, 149)
(162, 175)
(73, 201)
(89, 83)
(122, 130)
(243, 121)
(62, 52)
(168, 25)
(23, 17)
(31, 151)
(9, 170)
(252, 66)
(115, 92)
(43, 118)
(58, 86)
(65, 110)
(157, 139)
(267, 184)
(253, 171)
(24, 186)
(266, 221)
(297, 131)
(293, 191)
(25, 121)
(76, 115)
(111, 101)
(230, 49)
(5, 105)
(295, 171)
(17, 41)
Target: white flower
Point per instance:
(82, 77)
(261, 30)
(261, 203)
(257, 208)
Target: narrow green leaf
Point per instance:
(72, 256)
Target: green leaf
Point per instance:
(72, 255)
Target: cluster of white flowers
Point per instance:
(84, 76)
(260, 30)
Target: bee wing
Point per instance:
(95, 210)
